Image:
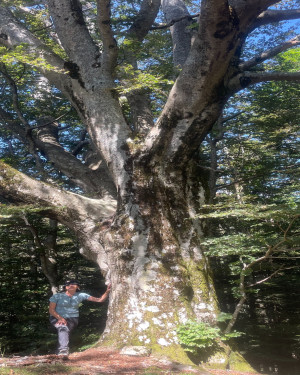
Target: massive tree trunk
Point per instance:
(160, 275)
(149, 249)
(147, 241)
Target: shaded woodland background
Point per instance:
(25, 292)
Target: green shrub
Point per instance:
(194, 336)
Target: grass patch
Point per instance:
(42, 369)
(152, 371)
(157, 371)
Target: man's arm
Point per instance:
(102, 298)
(53, 312)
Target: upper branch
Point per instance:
(144, 19)
(271, 15)
(110, 50)
(270, 53)
(246, 79)
(75, 38)
(13, 33)
(181, 35)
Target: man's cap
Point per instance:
(69, 282)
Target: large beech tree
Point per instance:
(135, 212)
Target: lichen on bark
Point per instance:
(161, 279)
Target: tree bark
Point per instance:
(159, 274)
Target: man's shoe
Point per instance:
(63, 354)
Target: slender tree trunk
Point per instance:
(46, 252)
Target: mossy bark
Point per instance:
(159, 274)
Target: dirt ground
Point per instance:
(102, 361)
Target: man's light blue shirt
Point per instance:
(68, 307)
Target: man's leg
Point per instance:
(63, 339)
(63, 332)
(64, 335)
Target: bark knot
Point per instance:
(245, 82)
(76, 8)
(227, 26)
(73, 71)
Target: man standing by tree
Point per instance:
(64, 312)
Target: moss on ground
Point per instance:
(238, 363)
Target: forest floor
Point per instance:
(101, 361)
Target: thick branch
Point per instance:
(110, 49)
(67, 207)
(82, 215)
(270, 16)
(80, 174)
(93, 91)
(196, 99)
(246, 79)
(77, 42)
(270, 53)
